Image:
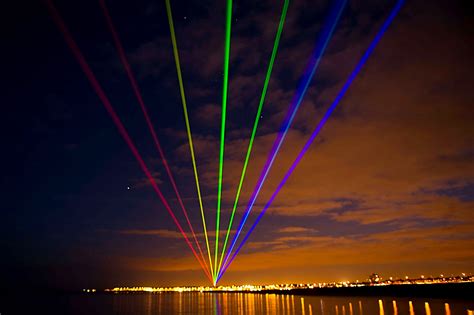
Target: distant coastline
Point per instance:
(445, 290)
(463, 290)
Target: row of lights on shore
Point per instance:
(374, 279)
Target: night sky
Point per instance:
(387, 187)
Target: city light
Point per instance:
(296, 286)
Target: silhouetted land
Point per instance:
(448, 290)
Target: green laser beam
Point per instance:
(224, 110)
(255, 124)
(188, 127)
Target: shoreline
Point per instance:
(459, 291)
(462, 291)
(443, 291)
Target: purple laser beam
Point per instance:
(318, 128)
(320, 47)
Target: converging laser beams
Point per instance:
(255, 124)
(116, 120)
(225, 86)
(318, 128)
(318, 52)
(139, 97)
(188, 128)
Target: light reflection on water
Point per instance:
(250, 303)
(238, 303)
(412, 311)
(447, 310)
(427, 308)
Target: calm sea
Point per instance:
(229, 303)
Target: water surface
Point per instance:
(235, 303)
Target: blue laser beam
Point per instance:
(318, 128)
(313, 64)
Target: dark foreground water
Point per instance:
(228, 303)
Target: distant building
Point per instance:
(374, 278)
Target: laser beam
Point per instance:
(318, 128)
(139, 97)
(318, 52)
(225, 87)
(188, 128)
(255, 124)
(116, 120)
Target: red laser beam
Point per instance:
(138, 95)
(123, 132)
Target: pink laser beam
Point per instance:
(139, 97)
(123, 132)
